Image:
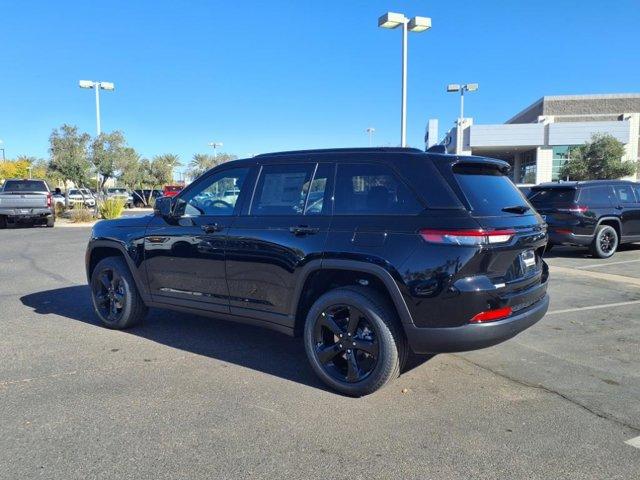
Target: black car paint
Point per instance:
(254, 269)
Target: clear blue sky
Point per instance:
(262, 76)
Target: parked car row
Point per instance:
(598, 214)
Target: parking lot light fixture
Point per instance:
(391, 20)
(97, 86)
(370, 131)
(215, 146)
(467, 87)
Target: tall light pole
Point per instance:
(215, 145)
(2, 148)
(97, 86)
(416, 24)
(456, 87)
(370, 131)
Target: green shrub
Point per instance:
(111, 208)
(81, 214)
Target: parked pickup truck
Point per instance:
(26, 201)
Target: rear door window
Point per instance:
(601, 196)
(282, 189)
(373, 189)
(624, 193)
(486, 189)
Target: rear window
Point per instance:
(552, 196)
(25, 186)
(486, 189)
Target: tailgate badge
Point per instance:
(528, 258)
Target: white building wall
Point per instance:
(544, 161)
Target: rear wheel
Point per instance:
(605, 242)
(3, 221)
(51, 221)
(115, 296)
(354, 341)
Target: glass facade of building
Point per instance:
(528, 167)
(561, 153)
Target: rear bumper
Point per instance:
(473, 336)
(566, 238)
(34, 214)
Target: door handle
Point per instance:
(619, 207)
(303, 230)
(211, 227)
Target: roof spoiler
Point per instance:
(437, 149)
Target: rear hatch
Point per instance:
(511, 254)
(554, 203)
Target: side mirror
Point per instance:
(163, 206)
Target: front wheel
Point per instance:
(605, 242)
(354, 341)
(115, 296)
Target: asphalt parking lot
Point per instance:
(189, 397)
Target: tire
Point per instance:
(51, 221)
(605, 242)
(354, 371)
(3, 222)
(114, 295)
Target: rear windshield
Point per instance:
(487, 190)
(552, 196)
(25, 186)
(117, 190)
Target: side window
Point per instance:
(624, 193)
(282, 189)
(372, 189)
(318, 200)
(216, 194)
(596, 196)
(637, 189)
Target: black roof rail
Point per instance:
(344, 150)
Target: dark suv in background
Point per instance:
(368, 254)
(599, 214)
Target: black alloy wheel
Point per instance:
(115, 296)
(354, 340)
(110, 295)
(346, 343)
(605, 242)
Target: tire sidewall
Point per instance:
(387, 349)
(117, 265)
(597, 247)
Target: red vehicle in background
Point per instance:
(171, 190)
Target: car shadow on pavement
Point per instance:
(245, 345)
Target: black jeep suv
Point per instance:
(599, 214)
(368, 254)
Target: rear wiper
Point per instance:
(517, 209)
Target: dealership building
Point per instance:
(538, 140)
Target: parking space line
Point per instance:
(597, 275)
(594, 307)
(598, 265)
(634, 442)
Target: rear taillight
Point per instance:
(576, 209)
(492, 315)
(467, 237)
(49, 200)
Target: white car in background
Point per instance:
(78, 195)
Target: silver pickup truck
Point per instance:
(26, 201)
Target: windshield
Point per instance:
(25, 186)
(116, 190)
(552, 196)
(487, 190)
